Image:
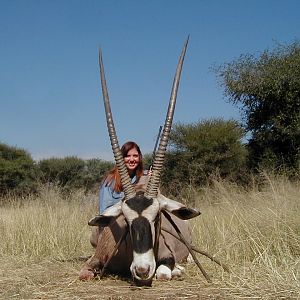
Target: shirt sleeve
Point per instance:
(107, 197)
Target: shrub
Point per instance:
(18, 171)
(95, 169)
(72, 172)
(66, 172)
(203, 149)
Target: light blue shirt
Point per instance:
(109, 197)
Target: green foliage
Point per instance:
(95, 169)
(66, 172)
(72, 172)
(267, 90)
(201, 149)
(17, 170)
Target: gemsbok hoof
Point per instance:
(86, 275)
(163, 273)
(178, 271)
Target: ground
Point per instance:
(25, 278)
(59, 280)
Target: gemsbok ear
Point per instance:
(177, 209)
(100, 220)
(110, 213)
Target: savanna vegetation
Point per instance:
(248, 191)
(20, 174)
(267, 90)
(255, 231)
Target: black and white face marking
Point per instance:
(139, 203)
(140, 213)
(141, 235)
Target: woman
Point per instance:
(111, 190)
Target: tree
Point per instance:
(267, 90)
(95, 169)
(73, 172)
(18, 171)
(201, 149)
(66, 172)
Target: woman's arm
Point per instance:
(107, 197)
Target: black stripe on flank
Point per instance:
(141, 235)
(139, 203)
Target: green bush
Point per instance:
(202, 149)
(95, 169)
(18, 172)
(72, 172)
(66, 172)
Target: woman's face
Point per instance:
(132, 159)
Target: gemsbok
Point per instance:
(145, 233)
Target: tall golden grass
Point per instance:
(46, 225)
(255, 231)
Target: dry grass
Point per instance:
(256, 232)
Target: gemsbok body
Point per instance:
(141, 233)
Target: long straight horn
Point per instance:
(125, 179)
(153, 184)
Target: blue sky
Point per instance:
(50, 96)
